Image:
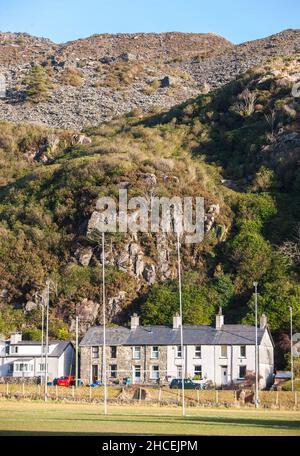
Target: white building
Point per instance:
(222, 354)
(20, 358)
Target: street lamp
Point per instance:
(46, 298)
(104, 323)
(255, 284)
(181, 326)
(95, 235)
(291, 336)
(47, 338)
(41, 298)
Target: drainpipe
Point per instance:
(145, 364)
(231, 367)
(215, 366)
(91, 365)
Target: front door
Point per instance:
(94, 373)
(136, 374)
(224, 375)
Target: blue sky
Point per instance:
(64, 20)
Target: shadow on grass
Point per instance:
(247, 423)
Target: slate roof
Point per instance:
(59, 349)
(34, 342)
(57, 352)
(166, 335)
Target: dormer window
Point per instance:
(14, 349)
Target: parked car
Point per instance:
(68, 380)
(176, 383)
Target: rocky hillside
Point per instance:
(103, 76)
(238, 146)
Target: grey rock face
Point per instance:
(84, 255)
(30, 305)
(149, 274)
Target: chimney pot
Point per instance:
(15, 338)
(219, 319)
(135, 321)
(263, 321)
(177, 321)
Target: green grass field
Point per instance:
(37, 418)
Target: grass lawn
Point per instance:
(37, 418)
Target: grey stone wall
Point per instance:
(124, 362)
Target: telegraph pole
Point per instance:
(76, 352)
(42, 348)
(291, 336)
(256, 347)
(181, 326)
(104, 324)
(47, 339)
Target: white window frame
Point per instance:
(95, 352)
(198, 352)
(245, 355)
(14, 349)
(222, 355)
(178, 350)
(113, 371)
(115, 349)
(195, 373)
(17, 367)
(155, 353)
(155, 373)
(136, 352)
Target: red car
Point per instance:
(68, 380)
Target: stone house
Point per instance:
(222, 354)
(24, 358)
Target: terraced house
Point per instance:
(222, 354)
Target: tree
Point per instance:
(163, 302)
(38, 84)
(251, 255)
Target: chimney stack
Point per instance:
(15, 338)
(263, 321)
(219, 319)
(177, 321)
(135, 321)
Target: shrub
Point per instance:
(72, 76)
(38, 84)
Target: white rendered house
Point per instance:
(224, 354)
(20, 358)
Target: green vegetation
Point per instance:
(200, 299)
(246, 132)
(66, 419)
(38, 84)
(72, 76)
